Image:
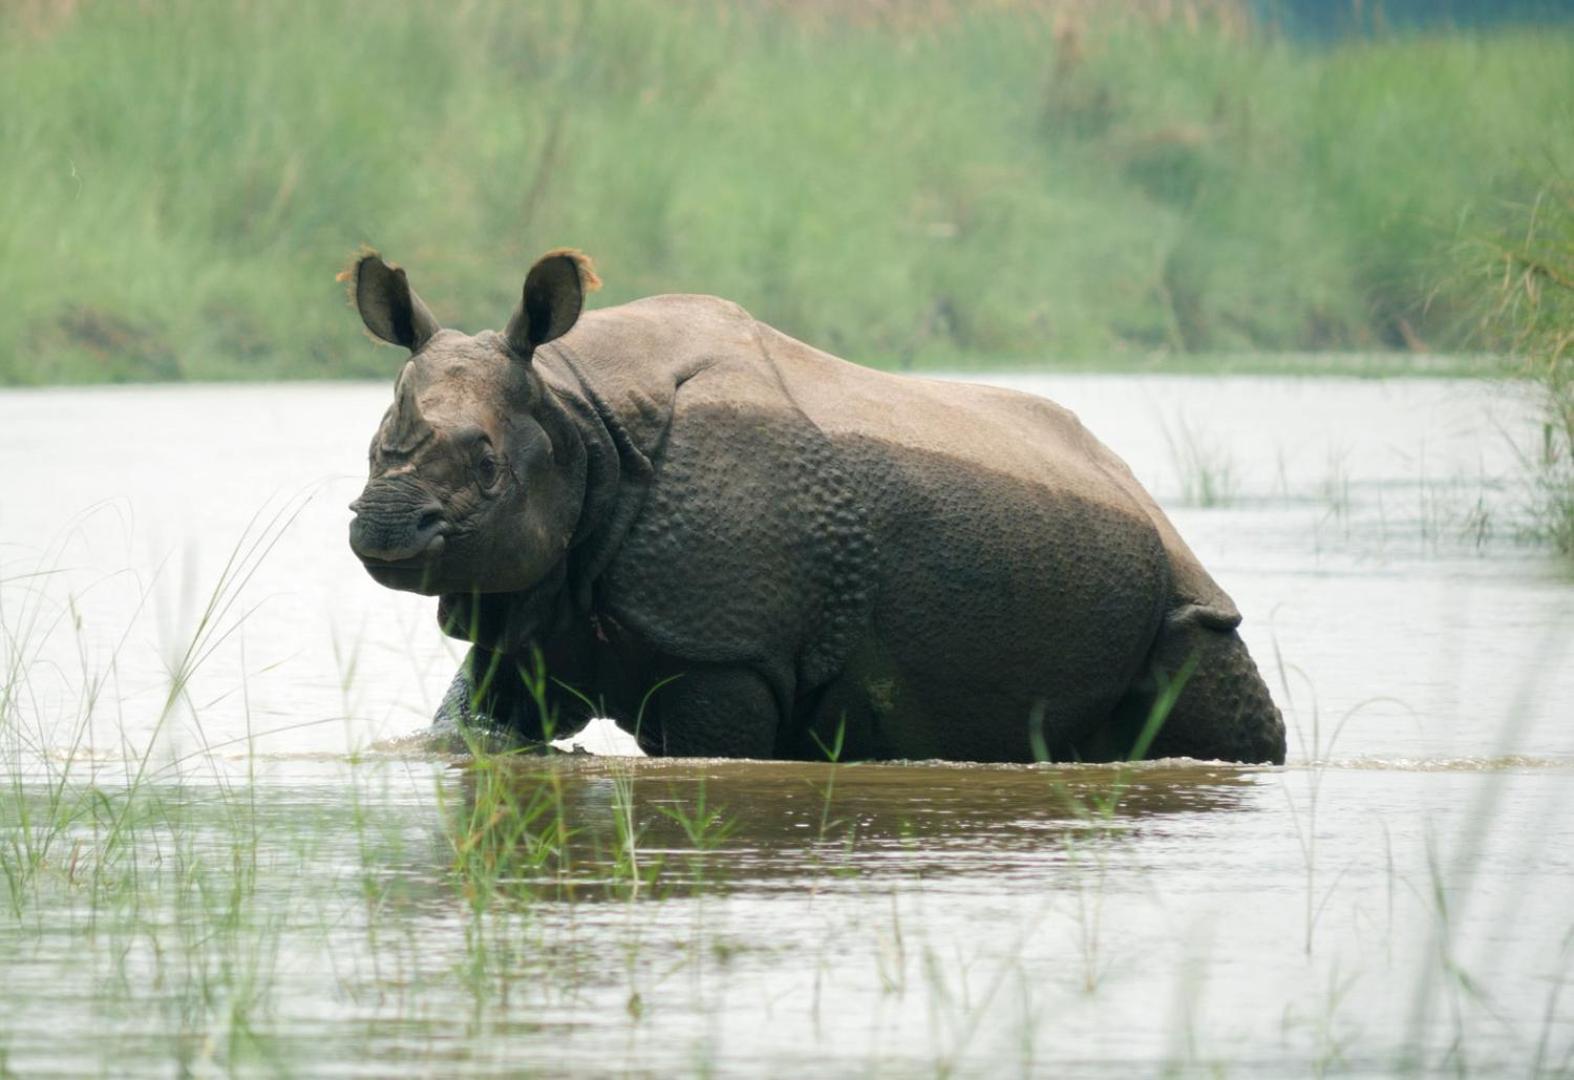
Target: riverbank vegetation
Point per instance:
(906, 185)
(1531, 318)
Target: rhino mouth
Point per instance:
(407, 572)
(404, 579)
(420, 560)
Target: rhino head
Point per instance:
(476, 484)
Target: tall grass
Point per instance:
(1022, 181)
(1532, 317)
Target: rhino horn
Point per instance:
(410, 428)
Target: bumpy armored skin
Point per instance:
(795, 551)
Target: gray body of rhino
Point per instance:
(815, 554)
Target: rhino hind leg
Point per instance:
(1223, 712)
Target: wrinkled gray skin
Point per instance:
(671, 488)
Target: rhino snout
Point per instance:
(399, 533)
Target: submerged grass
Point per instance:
(1020, 181)
(1207, 472)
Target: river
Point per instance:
(298, 881)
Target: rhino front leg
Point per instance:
(712, 712)
(1224, 711)
(494, 692)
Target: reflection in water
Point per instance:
(766, 826)
(493, 917)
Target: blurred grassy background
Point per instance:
(904, 183)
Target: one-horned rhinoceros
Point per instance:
(799, 554)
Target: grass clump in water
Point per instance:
(1533, 317)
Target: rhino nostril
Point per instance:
(429, 521)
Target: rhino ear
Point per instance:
(388, 306)
(553, 296)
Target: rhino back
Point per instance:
(1019, 435)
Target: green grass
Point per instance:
(188, 177)
(1529, 271)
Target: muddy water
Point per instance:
(300, 886)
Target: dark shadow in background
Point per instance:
(1334, 20)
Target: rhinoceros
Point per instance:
(736, 545)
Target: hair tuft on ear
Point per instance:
(588, 280)
(350, 274)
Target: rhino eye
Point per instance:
(486, 471)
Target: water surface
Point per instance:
(298, 885)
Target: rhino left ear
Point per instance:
(553, 297)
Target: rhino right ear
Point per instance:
(388, 306)
(553, 296)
